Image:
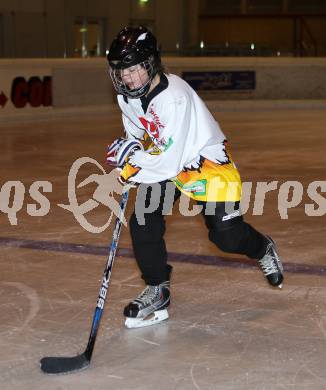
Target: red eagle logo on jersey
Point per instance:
(153, 126)
(150, 127)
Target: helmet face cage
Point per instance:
(123, 82)
(133, 46)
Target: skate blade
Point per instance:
(155, 318)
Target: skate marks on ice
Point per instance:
(20, 306)
(239, 338)
(279, 370)
(127, 282)
(230, 332)
(16, 313)
(273, 342)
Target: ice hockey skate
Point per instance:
(271, 265)
(149, 308)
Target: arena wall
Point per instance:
(35, 85)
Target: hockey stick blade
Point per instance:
(64, 365)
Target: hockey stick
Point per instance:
(65, 365)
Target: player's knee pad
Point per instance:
(230, 239)
(153, 229)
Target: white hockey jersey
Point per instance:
(183, 142)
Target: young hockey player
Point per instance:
(171, 137)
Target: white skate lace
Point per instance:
(148, 295)
(269, 262)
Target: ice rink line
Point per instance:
(217, 261)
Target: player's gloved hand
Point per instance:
(119, 151)
(127, 173)
(126, 183)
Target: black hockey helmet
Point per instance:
(133, 46)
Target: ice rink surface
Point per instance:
(227, 329)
